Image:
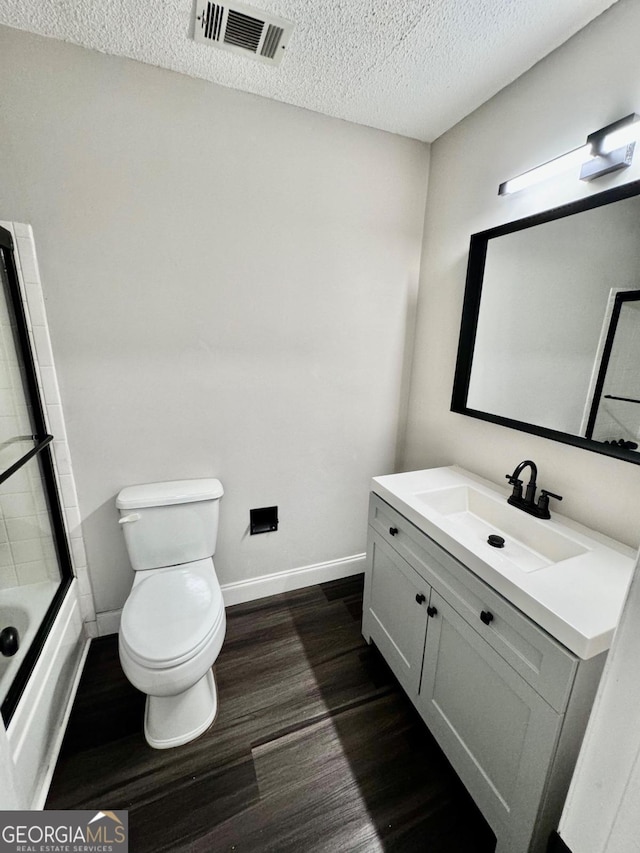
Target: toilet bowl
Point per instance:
(173, 622)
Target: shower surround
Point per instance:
(32, 739)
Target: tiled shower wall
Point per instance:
(19, 500)
(27, 555)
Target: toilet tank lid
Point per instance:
(167, 493)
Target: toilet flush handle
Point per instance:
(127, 519)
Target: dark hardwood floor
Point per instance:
(315, 748)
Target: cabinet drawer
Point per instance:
(543, 662)
(392, 527)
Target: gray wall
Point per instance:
(228, 281)
(548, 111)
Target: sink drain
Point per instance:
(495, 541)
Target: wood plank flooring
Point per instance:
(315, 748)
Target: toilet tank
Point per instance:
(169, 523)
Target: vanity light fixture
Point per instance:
(606, 150)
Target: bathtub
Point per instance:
(22, 607)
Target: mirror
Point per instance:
(550, 335)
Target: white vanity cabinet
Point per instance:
(507, 703)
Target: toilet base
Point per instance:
(173, 720)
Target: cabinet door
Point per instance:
(395, 611)
(497, 732)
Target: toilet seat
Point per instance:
(171, 616)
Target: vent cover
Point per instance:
(242, 29)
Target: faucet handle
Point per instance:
(517, 487)
(543, 501)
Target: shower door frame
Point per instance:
(619, 300)
(42, 449)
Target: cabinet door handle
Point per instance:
(393, 530)
(486, 617)
(432, 611)
(421, 598)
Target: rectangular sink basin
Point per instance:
(529, 543)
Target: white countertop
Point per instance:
(577, 600)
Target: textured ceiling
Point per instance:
(412, 67)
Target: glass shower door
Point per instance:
(35, 568)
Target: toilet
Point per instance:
(173, 622)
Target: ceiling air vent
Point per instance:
(242, 29)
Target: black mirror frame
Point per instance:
(471, 309)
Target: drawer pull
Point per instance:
(486, 617)
(432, 611)
(421, 598)
(393, 530)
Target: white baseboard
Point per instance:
(255, 588)
(108, 622)
(261, 587)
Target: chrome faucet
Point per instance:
(528, 502)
